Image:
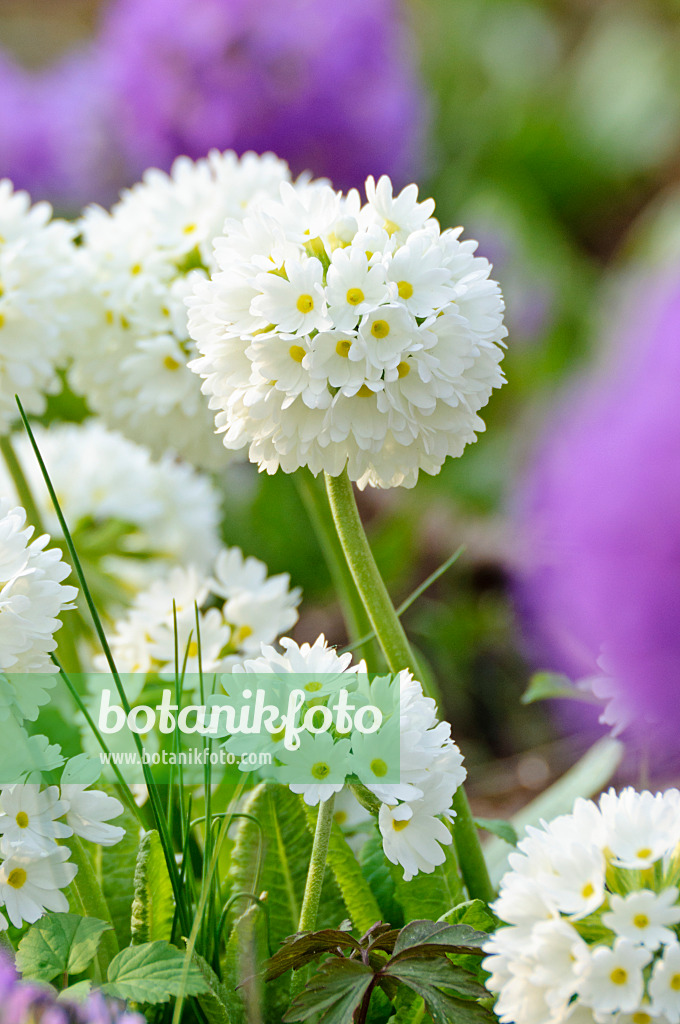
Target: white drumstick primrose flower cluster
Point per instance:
(32, 595)
(338, 334)
(429, 765)
(37, 280)
(150, 514)
(34, 868)
(593, 914)
(132, 345)
(240, 608)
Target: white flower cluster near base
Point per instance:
(32, 594)
(338, 334)
(34, 867)
(169, 511)
(37, 279)
(430, 765)
(131, 347)
(240, 608)
(592, 906)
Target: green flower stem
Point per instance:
(92, 900)
(317, 866)
(314, 499)
(397, 650)
(21, 484)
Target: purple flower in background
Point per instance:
(24, 1001)
(329, 87)
(599, 521)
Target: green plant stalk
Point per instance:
(92, 899)
(21, 484)
(397, 650)
(315, 501)
(314, 883)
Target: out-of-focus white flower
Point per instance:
(88, 813)
(37, 282)
(32, 594)
(31, 883)
(338, 334)
(592, 913)
(28, 817)
(131, 351)
(237, 614)
(166, 512)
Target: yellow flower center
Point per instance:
(22, 819)
(340, 817)
(675, 983)
(641, 921)
(314, 686)
(399, 826)
(378, 767)
(641, 1017)
(342, 348)
(364, 391)
(355, 296)
(619, 976)
(170, 363)
(321, 770)
(2, 320)
(109, 317)
(305, 303)
(391, 227)
(587, 890)
(297, 353)
(644, 853)
(405, 289)
(403, 369)
(380, 328)
(189, 228)
(241, 634)
(16, 878)
(136, 269)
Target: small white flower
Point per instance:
(317, 758)
(643, 916)
(413, 837)
(27, 821)
(294, 303)
(611, 979)
(400, 214)
(31, 884)
(354, 287)
(664, 988)
(383, 335)
(642, 827)
(88, 812)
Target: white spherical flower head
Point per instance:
(32, 595)
(38, 280)
(338, 335)
(239, 609)
(606, 876)
(150, 514)
(131, 351)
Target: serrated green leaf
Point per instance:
(77, 993)
(498, 827)
(152, 973)
(58, 944)
(117, 870)
(430, 895)
(153, 905)
(446, 1009)
(297, 952)
(360, 902)
(440, 973)
(551, 685)
(217, 1000)
(409, 1008)
(438, 936)
(335, 991)
(475, 913)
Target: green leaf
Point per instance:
(153, 905)
(82, 769)
(376, 870)
(246, 953)
(430, 895)
(298, 951)
(550, 685)
(217, 1000)
(152, 973)
(288, 846)
(77, 993)
(361, 904)
(409, 1008)
(475, 913)
(426, 938)
(59, 944)
(498, 827)
(336, 991)
(447, 1009)
(441, 973)
(116, 870)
